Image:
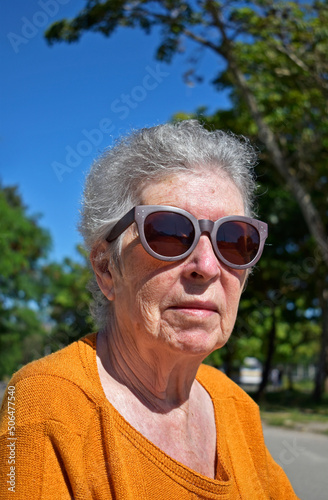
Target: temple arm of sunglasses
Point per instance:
(121, 225)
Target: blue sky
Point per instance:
(62, 105)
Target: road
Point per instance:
(304, 458)
(302, 455)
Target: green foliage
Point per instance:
(105, 17)
(286, 66)
(43, 305)
(22, 245)
(68, 300)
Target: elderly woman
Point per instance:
(131, 413)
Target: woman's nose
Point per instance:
(203, 261)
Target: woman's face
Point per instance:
(188, 306)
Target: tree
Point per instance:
(67, 301)
(273, 56)
(43, 305)
(23, 244)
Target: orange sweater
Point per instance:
(60, 439)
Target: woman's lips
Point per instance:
(196, 308)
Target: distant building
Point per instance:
(250, 372)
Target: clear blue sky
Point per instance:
(62, 105)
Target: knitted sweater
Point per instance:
(61, 439)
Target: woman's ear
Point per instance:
(101, 267)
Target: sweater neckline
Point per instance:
(182, 473)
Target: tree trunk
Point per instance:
(290, 377)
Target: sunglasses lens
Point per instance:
(169, 234)
(238, 242)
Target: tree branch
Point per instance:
(202, 41)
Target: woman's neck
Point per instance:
(162, 401)
(161, 380)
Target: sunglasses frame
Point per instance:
(139, 214)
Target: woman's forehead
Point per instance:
(206, 191)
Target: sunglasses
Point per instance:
(171, 234)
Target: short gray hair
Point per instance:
(116, 180)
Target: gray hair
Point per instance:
(117, 179)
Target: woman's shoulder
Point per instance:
(62, 363)
(220, 386)
(71, 368)
(59, 387)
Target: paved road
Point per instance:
(302, 455)
(304, 458)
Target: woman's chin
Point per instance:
(195, 341)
